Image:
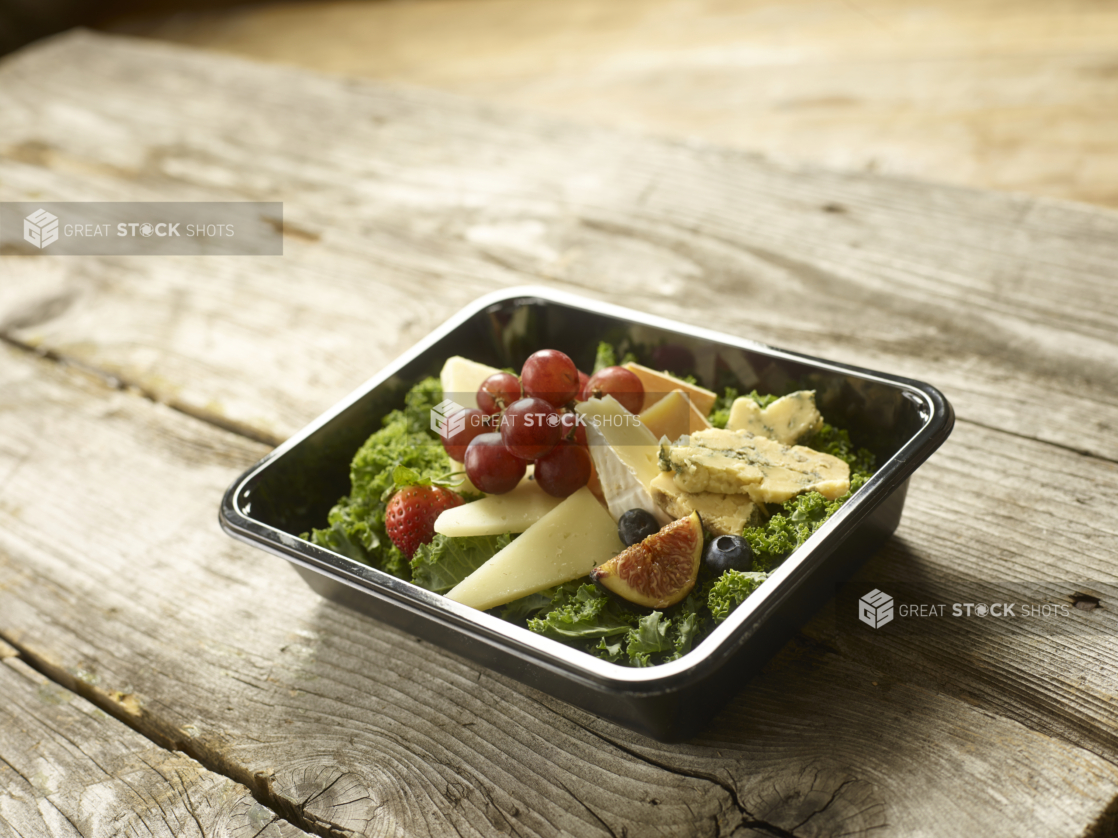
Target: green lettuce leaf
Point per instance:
(649, 638)
(446, 561)
(584, 614)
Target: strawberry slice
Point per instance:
(410, 515)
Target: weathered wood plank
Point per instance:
(981, 93)
(224, 654)
(414, 203)
(67, 769)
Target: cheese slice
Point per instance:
(513, 511)
(461, 377)
(566, 543)
(785, 420)
(673, 416)
(737, 462)
(625, 456)
(658, 384)
(722, 514)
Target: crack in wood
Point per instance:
(209, 759)
(126, 385)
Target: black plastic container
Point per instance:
(291, 490)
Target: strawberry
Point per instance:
(411, 513)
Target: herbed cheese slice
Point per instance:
(722, 514)
(737, 462)
(461, 377)
(513, 511)
(566, 543)
(625, 455)
(673, 416)
(657, 385)
(785, 420)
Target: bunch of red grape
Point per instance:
(532, 418)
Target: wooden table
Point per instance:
(160, 678)
(1019, 96)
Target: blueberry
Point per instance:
(728, 552)
(636, 525)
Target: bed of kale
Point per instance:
(405, 450)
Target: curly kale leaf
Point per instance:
(584, 614)
(606, 357)
(730, 590)
(404, 440)
(836, 442)
(799, 518)
(445, 561)
(521, 610)
(720, 413)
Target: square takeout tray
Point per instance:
(292, 489)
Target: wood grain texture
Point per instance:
(346, 727)
(1017, 96)
(415, 203)
(67, 769)
(141, 605)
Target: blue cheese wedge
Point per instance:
(786, 420)
(722, 514)
(738, 462)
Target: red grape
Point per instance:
(497, 392)
(476, 422)
(491, 467)
(550, 375)
(565, 470)
(582, 379)
(574, 427)
(530, 428)
(622, 384)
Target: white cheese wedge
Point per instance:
(566, 543)
(513, 511)
(625, 455)
(737, 462)
(785, 420)
(461, 377)
(721, 514)
(673, 416)
(658, 384)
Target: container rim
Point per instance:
(714, 649)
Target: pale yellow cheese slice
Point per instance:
(785, 420)
(673, 416)
(513, 511)
(657, 385)
(722, 514)
(565, 544)
(461, 377)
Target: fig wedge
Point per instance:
(659, 571)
